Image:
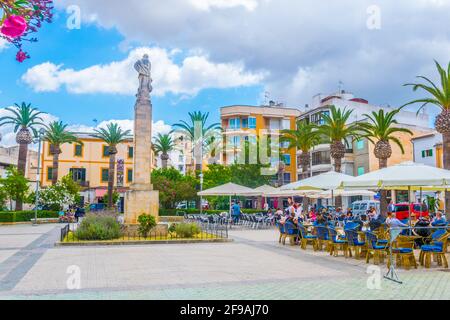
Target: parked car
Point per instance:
(361, 207)
(402, 210)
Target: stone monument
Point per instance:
(142, 199)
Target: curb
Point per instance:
(134, 243)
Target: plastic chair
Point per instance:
(337, 244)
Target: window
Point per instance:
(78, 175)
(105, 175)
(360, 144)
(130, 175)
(78, 152)
(287, 159)
(130, 152)
(105, 151)
(274, 124)
(49, 173)
(284, 145)
(321, 157)
(427, 153)
(287, 178)
(245, 123)
(286, 124)
(235, 141)
(252, 123)
(361, 171)
(234, 123)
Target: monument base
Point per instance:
(138, 202)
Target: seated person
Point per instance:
(439, 220)
(421, 232)
(393, 222)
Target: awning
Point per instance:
(100, 193)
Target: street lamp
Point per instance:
(38, 140)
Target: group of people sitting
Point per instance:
(371, 221)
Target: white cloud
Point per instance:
(126, 124)
(194, 74)
(8, 136)
(3, 44)
(286, 36)
(224, 4)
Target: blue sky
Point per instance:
(211, 53)
(92, 45)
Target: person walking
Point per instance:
(236, 212)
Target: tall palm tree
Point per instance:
(304, 138)
(112, 136)
(336, 130)
(57, 135)
(440, 97)
(381, 129)
(198, 132)
(163, 145)
(25, 119)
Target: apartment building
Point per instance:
(251, 123)
(359, 157)
(88, 165)
(9, 157)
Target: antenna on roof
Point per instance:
(266, 98)
(341, 86)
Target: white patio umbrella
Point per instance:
(343, 193)
(291, 193)
(229, 189)
(265, 189)
(407, 174)
(327, 181)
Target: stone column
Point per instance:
(142, 199)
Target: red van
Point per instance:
(402, 210)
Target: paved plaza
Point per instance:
(254, 266)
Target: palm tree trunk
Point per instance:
(164, 160)
(55, 168)
(382, 163)
(446, 152)
(22, 166)
(338, 168)
(111, 173)
(305, 176)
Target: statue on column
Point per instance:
(144, 68)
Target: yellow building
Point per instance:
(250, 123)
(88, 165)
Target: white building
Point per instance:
(428, 149)
(359, 158)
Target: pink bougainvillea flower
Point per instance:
(22, 56)
(14, 26)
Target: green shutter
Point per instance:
(130, 175)
(424, 154)
(78, 150)
(105, 151)
(105, 175)
(130, 152)
(50, 174)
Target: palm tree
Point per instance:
(440, 97)
(336, 131)
(199, 133)
(381, 129)
(304, 138)
(24, 118)
(163, 145)
(112, 136)
(57, 135)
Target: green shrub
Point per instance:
(98, 228)
(25, 216)
(146, 224)
(187, 230)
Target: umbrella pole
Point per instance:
(332, 198)
(409, 196)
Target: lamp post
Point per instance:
(40, 135)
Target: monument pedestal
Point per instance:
(138, 202)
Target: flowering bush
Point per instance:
(20, 18)
(64, 193)
(67, 219)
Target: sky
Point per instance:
(212, 53)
